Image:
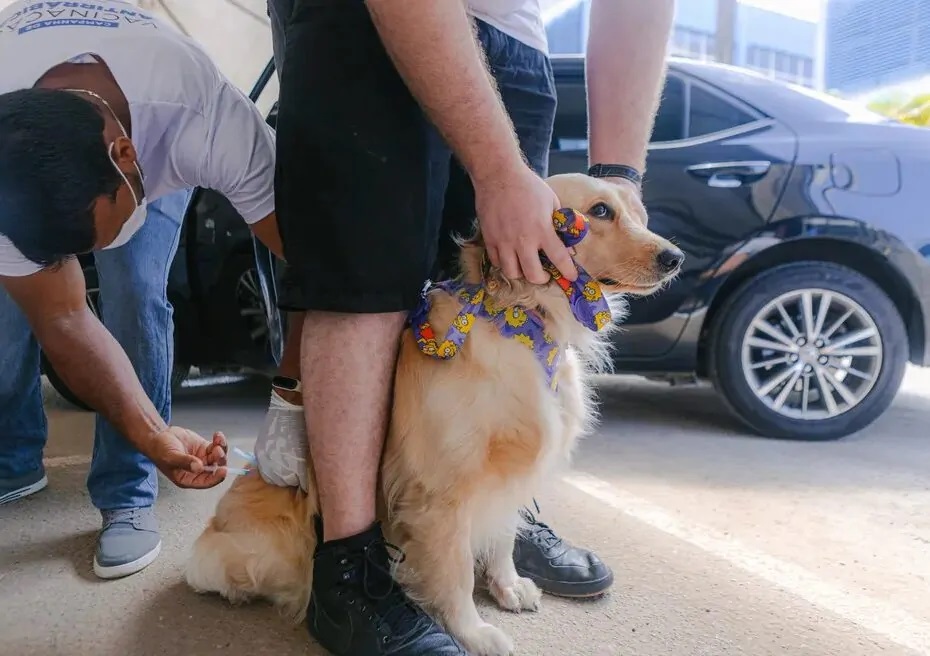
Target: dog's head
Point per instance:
(619, 251)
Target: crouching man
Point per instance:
(98, 119)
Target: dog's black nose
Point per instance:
(670, 259)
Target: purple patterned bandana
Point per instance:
(585, 297)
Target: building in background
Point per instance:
(876, 43)
(774, 44)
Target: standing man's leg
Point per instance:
(122, 482)
(23, 429)
(353, 176)
(527, 88)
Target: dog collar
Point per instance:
(585, 297)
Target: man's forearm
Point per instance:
(445, 70)
(266, 231)
(625, 60)
(94, 366)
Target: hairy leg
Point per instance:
(347, 367)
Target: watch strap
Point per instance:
(616, 171)
(286, 384)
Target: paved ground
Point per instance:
(722, 543)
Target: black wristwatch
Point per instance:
(286, 384)
(616, 171)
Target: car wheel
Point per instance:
(251, 304)
(808, 350)
(239, 309)
(179, 372)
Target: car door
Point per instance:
(715, 170)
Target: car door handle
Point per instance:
(729, 175)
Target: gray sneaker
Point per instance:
(129, 542)
(12, 489)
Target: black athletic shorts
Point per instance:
(359, 168)
(366, 190)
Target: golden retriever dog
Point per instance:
(471, 438)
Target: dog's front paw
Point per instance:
(522, 595)
(487, 640)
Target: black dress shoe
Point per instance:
(556, 566)
(356, 608)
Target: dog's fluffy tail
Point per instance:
(240, 567)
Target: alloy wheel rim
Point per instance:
(812, 354)
(251, 309)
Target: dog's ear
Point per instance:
(473, 240)
(471, 253)
(477, 267)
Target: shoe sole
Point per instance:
(586, 590)
(119, 571)
(22, 492)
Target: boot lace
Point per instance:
(396, 617)
(538, 531)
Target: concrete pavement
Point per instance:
(722, 543)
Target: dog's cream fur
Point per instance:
(470, 440)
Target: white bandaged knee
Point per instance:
(281, 448)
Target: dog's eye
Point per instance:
(601, 211)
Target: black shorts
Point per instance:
(359, 168)
(368, 195)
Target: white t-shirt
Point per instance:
(191, 126)
(521, 19)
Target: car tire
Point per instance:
(799, 408)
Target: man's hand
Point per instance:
(181, 455)
(94, 366)
(515, 215)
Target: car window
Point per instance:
(711, 113)
(670, 119)
(570, 131)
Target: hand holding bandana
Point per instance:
(587, 301)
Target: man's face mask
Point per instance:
(137, 218)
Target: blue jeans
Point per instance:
(526, 83)
(134, 302)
